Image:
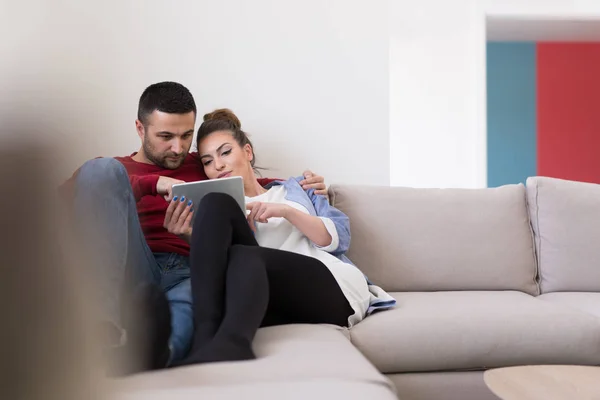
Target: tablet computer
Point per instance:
(195, 191)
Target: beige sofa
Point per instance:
(484, 278)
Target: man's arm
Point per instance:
(314, 181)
(145, 185)
(310, 181)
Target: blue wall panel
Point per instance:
(511, 112)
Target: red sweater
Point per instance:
(151, 207)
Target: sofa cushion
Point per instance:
(565, 216)
(582, 301)
(447, 331)
(408, 239)
(289, 353)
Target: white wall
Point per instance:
(561, 9)
(437, 109)
(437, 84)
(309, 79)
(325, 84)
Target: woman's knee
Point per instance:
(221, 200)
(219, 203)
(214, 208)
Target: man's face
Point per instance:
(167, 138)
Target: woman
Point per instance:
(281, 263)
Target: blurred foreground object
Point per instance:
(48, 348)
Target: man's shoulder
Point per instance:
(133, 167)
(124, 159)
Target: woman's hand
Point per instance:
(261, 212)
(178, 219)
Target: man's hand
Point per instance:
(178, 219)
(261, 212)
(164, 186)
(313, 181)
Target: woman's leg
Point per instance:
(234, 283)
(270, 287)
(302, 290)
(219, 224)
(273, 287)
(246, 300)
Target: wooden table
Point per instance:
(545, 382)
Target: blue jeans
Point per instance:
(106, 216)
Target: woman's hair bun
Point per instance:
(224, 114)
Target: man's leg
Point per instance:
(182, 321)
(107, 225)
(110, 231)
(176, 285)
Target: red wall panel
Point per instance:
(568, 81)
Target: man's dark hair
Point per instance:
(168, 97)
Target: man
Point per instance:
(120, 204)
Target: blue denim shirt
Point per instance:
(319, 206)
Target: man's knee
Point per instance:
(102, 172)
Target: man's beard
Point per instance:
(162, 160)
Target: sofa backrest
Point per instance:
(407, 239)
(565, 217)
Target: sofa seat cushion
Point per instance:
(445, 331)
(582, 301)
(290, 353)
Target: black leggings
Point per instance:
(238, 286)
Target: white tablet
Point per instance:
(195, 191)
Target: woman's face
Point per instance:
(222, 156)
